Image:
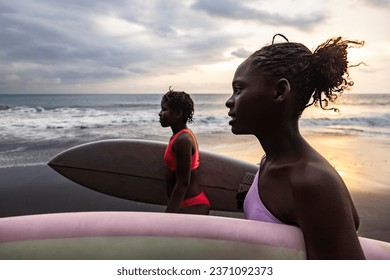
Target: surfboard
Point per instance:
(145, 235)
(135, 170)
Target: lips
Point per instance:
(233, 118)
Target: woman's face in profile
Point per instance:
(250, 102)
(167, 116)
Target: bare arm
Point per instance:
(324, 212)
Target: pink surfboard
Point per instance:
(141, 235)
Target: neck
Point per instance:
(281, 140)
(178, 127)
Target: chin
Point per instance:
(236, 131)
(240, 131)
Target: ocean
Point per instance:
(35, 127)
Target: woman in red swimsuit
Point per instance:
(182, 156)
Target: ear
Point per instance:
(179, 115)
(282, 90)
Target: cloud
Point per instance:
(72, 41)
(378, 3)
(241, 53)
(121, 45)
(240, 11)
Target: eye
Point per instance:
(237, 89)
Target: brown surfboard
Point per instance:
(135, 170)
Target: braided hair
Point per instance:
(321, 75)
(179, 101)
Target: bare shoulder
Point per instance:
(183, 141)
(324, 211)
(316, 177)
(318, 188)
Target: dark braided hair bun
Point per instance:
(311, 75)
(330, 69)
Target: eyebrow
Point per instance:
(238, 82)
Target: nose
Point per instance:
(230, 102)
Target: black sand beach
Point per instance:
(40, 189)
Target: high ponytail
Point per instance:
(330, 70)
(321, 75)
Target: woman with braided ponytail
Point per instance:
(295, 185)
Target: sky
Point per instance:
(138, 46)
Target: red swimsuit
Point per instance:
(170, 160)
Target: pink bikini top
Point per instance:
(254, 209)
(169, 155)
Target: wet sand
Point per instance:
(40, 189)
